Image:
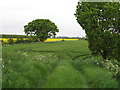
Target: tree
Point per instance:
(41, 29)
(101, 20)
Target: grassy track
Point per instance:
(66, 76)
(52, 65)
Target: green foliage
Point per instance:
(66, 76)
(21, 70)
(28, 40)
(20, 40)
(13, 36)
(96, 76)
(100, 78)
(10, 41)
(2, 42)
(51, 65)
(34, 39)
(100, 20)
(41, 28)
(17, 41)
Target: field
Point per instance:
(61, 64)
(48, 40)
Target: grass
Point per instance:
(66, 76)
(96, 76)
(24, 71)
(100, 78)
(52, 65)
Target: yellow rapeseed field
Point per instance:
(48, 40)
(55, 39)
(6, 39)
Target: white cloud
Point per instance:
(17, 13)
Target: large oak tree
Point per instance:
(41, 29)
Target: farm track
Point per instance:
(64, 75)
(64, 69)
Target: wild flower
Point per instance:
(25, 54)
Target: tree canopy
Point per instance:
(101, 20)
(41, 29)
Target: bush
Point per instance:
(20, 40)
(2, 42)
(17, 41)
(35, 39)
(10, 41)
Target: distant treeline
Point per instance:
(25, 36)
(65, 37)
(13, 36)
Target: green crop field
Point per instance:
(65, 64)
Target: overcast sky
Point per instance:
(17, 13)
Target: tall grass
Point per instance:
(53, 65)
(100, 78)
(20, 71)
(96, 76)
(65, 76)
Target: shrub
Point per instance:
(35, 39)
(2, 42)
(10, 41)
(19, 40)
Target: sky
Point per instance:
(17, 13)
